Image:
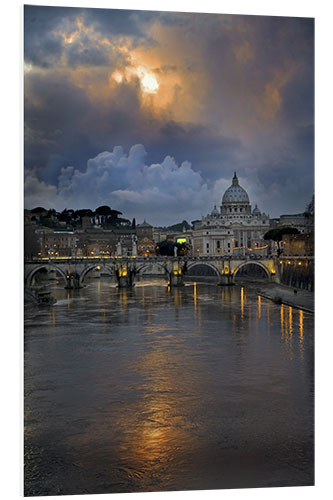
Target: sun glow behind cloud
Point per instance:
(148, 80)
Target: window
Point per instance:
(235, 209)
(218, 244)
(207, 245)
(241, 210)
(228, 245)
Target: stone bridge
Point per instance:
(74, 270)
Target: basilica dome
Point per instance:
(235, 193)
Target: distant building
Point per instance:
(144, 230)
(302, 222)
(233, 230)
(146, 247)
(300, 245)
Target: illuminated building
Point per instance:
(144, 230)
(235, 230)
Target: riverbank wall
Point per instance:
(301, 299)
(296, 272)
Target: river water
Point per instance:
(152, 389)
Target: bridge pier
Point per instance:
(125, 274)
(226, 279)
(176, 279)
(175, 273)
(72, 282)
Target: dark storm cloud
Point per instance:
(242, 100)
(42, 46)
(79, 130)
(114, 22)
(44, 27)
(58, 121)
(203, 146)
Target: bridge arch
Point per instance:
(35, 270)
(139, 268)
(207, 264)
(244, 264)
(91, 267)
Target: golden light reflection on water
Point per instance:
(286, 318)
(290, 321)
(242, 303)
(195, 295)
(123, 299)
(177, 297)
(301, 335)
(259, 306)
(68, 300)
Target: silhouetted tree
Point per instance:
(166, 247)
(278, 233)
(103, 210)
(38, 210)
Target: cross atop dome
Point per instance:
(235, 180)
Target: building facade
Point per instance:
(235, 230)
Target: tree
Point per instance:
(278, 233)
(133, 224)
(38, 210)
(84, 212)
(103, 210)
(180, 226)
(167, 248)
(309, 211)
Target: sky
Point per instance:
(152, 112)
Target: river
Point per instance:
(159, 389)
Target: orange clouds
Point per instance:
(270, 101)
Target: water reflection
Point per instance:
(179, 396)
(242, 303)
(195, 295)
(301, 335)
(259, 306)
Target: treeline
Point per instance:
(103, 215)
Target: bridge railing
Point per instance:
(156, 258)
